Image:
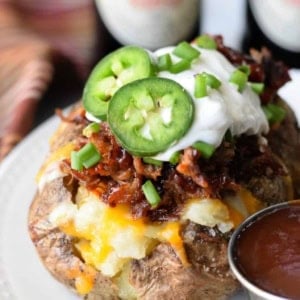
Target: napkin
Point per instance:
(34, 35)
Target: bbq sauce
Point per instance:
(268, 252)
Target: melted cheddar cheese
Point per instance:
(108, 237)
(242, 205)
(251, 203)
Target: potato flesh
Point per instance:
(103, 244)
(208, 212)
(109, 238)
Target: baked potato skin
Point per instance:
(56, 249)
(159, 275)
(284, 140)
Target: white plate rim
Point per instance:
(22, 275)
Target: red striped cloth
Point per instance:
(32, 34)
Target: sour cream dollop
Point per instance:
(223, 109)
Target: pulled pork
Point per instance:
(263, 68)
(118, 177)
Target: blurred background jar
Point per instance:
(149, 23)
(276, 25)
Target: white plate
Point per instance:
(22, 275)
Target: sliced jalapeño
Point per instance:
(149, 115)
(113, 71)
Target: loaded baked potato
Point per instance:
(144, 185)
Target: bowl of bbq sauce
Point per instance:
(264, 252)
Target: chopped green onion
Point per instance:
(88, 155)
(91, 161)
(90, 129)
(202, 81)
(152, 161)
(257, 87)
(164, 62)
(245, 69)
(186, 51)
(239, 78)
(200, 86)
(174, 159)
(75, 161)
(180, 66)
(205, 41)
(151, 193)
(205, 149)
(274, 113)
(212, 81)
